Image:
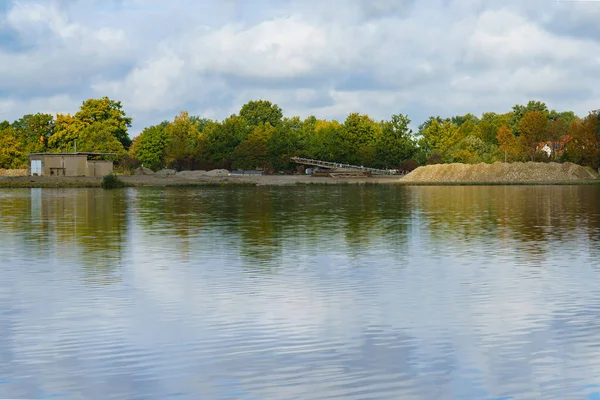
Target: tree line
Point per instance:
(260, 137)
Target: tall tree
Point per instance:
(253, 152)
(109, 112)
(396, 143)
(532, 129)
(261, 111)
(182, 147)
(150, 146)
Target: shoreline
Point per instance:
(254, 181)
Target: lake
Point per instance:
(341, 292)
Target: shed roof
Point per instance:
(72, 154)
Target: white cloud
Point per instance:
(311, 57)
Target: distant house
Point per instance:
(70, 164)
(555, 149)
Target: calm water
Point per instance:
(301, 293)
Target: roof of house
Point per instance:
(72, 154)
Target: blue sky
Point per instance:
(312, 57)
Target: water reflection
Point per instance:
(304, 292)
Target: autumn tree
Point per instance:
(508, 143)
(183, 145)
(12, 152)
(532, 129)
(584, 147)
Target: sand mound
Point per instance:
(191, 174)
(218, 172)
(143, 171)
(500, 172)
(166, 172)
(13, 172)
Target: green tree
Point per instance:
(253, 152)
(396, 143)
(439, 137)
(284, 143)
(261, 111)
(111, 113)
(34, 130)
(358, 138)
(222, 138)
(519, 111)
(99, 138)
(149, 147)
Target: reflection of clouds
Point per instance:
(320, 317)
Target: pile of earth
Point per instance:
(13, 172)
(143, 171)
(166, 172)
(500, 172)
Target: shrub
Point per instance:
(112, 181)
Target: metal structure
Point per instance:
(340, 166)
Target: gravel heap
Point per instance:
(218, 172)
(191, 174)
(500, 172)
(166, 172)
(143, 171)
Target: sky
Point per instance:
(326, 58)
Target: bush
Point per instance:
(112, 181)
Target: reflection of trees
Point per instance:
(260, 222)
(530, 216)
(85, 224)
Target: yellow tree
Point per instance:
(184, 139)
(508, 142)
(12, 153)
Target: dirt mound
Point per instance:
(499, 172)
(191, 174)
(166, 172)
(13, 172)
(143, 171)
(218, 172)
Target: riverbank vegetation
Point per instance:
(259, 136)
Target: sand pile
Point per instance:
(143, 171)
(166, 172)
(13, 172)
(191, 174)
(500, 172)
(218, 172)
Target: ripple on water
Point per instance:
(306, 293)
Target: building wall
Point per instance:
(62, 165)
(99, 167)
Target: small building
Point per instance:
(70, 164)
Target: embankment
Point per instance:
(501, 173)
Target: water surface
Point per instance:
(301, 293)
